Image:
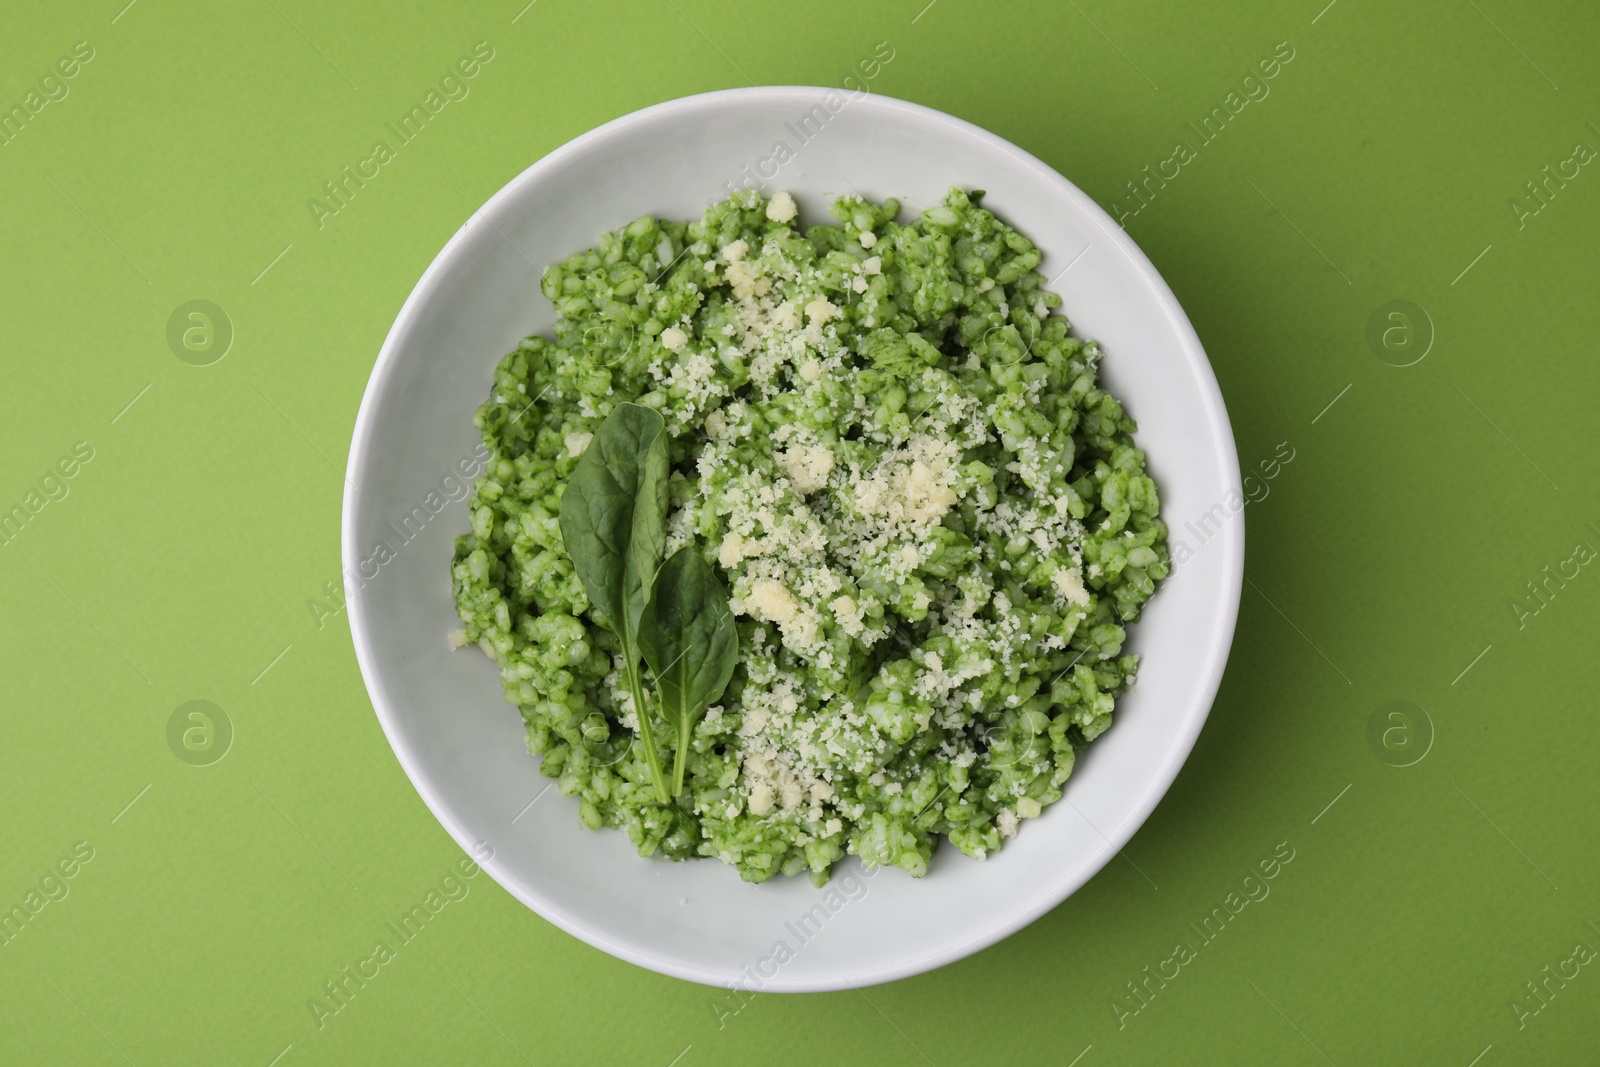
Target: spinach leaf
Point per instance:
(689, 640)
(613, 525)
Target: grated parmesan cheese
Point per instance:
(1070, 583)
(807, 467)
(821, 311)
(770, 601)
(782, 208)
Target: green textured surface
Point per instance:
(1416, 510)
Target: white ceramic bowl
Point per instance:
(442, 710)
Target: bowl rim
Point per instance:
(1221, 627)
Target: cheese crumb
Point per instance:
(807, 467)
(732, 550)
(577, 442)
(909, 491)
(867, 238)
(1070, 583)
(923, 495)
(848, 613)
(674, 338)
(746, 283)
(770, 601)
(782, 208)
(458, 638)
(734, 251)
(755, 720)
(821, 311)
(873, 265)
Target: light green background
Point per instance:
(1384, 560)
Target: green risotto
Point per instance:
(931, 523)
